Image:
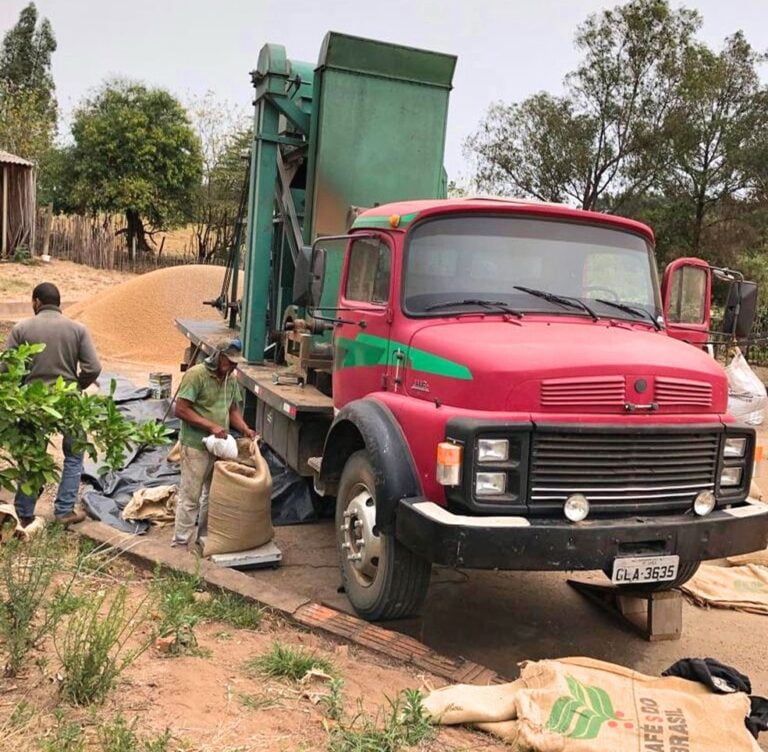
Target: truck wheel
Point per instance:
(685, 571)
(382, 578)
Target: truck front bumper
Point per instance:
(522, 543)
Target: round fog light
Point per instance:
(576, 507)
(704, 503)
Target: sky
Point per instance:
(507, 49)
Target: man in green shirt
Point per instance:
(207, 403)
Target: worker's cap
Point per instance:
(230, 348)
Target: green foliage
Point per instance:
(135, 153)
(32, 413)
(285, 662)
(333, 702)
(119, 735)
(176, 598)
(404, 725)
(27, 569)
(654, 125)
(604, 141)
(92, 646)
(183, 605)
(27, 102)
(67, 736)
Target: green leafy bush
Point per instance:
(31, 413)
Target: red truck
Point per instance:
(483, 420)
(490, 384)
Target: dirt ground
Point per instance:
(209, 700)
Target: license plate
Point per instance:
(638, 569)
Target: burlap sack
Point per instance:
(743, 588)
(156, 504)
(757, 557)
(584, 705)
(239, 506)
(15, 529)
(175, 454)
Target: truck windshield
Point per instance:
(493, 258)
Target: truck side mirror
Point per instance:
(686, 293)
(740, 309)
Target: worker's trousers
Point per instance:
(192, 503)
(69, 486)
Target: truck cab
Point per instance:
(513, 390)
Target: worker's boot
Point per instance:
(26, 521)
(70, 518)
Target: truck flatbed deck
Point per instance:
(289, 399)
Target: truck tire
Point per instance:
(685, 571)
(382, 578)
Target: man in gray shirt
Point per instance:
(69, 353)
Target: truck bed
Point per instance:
(290, 399)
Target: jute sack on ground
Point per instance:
(743, 588)
(8, 514)
(584, 705)
(239, 506)
(757, 557)
(156, 504)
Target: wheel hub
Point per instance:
(360, 543)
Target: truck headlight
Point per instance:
(490, 484)
(731, 476)
(735, 447)
(492, 450)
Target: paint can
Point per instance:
(160, 385)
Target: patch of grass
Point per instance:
(255, 702)
(92, 646)
(404, 725)
(182, 607)
(120, 736)
(333, 702)
(67, 736)
(21, 714)
(234, 610)
(27, 569)
(285, 662)
(179, 611)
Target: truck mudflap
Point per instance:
(522, 543)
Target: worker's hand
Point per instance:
(219, 432)
(251, 434)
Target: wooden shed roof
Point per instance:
(7, 158)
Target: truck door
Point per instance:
(686, 292)
(361, 339)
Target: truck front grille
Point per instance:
(622, 471)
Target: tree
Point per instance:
(720, 120)
(30, 414)
(135, 153)
(224, 135)
(28, 108)
(604, 141)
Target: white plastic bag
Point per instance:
(224, 449)
(746, 393)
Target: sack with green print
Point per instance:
(742, 588)
(585, 705)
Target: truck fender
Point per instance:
(367, 424)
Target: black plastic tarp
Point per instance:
(106, 495)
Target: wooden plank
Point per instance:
(290, 399)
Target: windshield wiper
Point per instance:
(498, 305)
(562, 300)
(631, 309)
